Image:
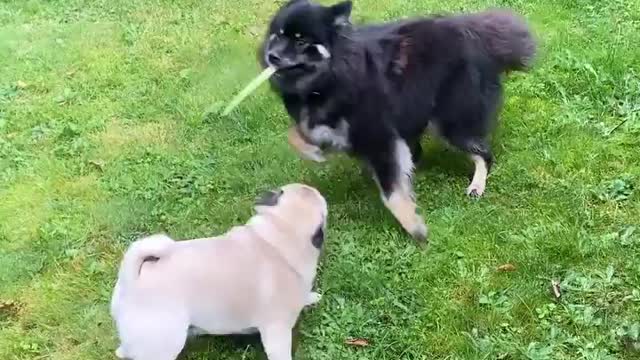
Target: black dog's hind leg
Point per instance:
(480, 154)
(466, 116)
(393, 171)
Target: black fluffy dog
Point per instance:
(373, 90)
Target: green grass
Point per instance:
(105, 134)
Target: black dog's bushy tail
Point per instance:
(505, 35)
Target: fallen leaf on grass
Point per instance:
(357, 342)
(9, 309)
(98, 164)
(555, 289)
(7, 304)
(506, 267)
(631, 345)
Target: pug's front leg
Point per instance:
(312, 298)
(277, 341)
(306, 150)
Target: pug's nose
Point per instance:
(274, 59)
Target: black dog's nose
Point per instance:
(274, 59)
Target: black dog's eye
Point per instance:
(301, 42)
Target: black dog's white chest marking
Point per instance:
(336, 138)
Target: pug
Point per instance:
(256, 278)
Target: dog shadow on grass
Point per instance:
(443, 161)
(231, 344)
(345, 180)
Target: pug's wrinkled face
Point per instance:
(299, 42)
(302, 203)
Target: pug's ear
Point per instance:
(269, 198)
(340, 13)
(318, 237)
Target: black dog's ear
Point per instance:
(269, 198)
(341, 12)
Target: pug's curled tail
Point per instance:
(151, 247)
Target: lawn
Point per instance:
(108, 131)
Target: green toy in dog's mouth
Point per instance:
(251, 87)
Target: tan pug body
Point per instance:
(255, 278)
